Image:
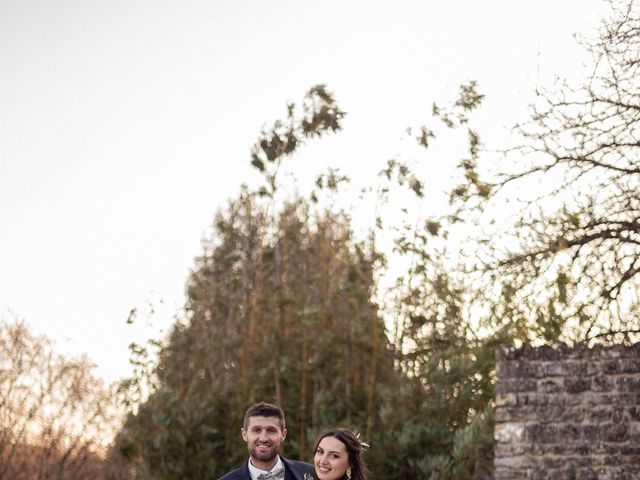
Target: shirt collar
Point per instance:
(255, 471)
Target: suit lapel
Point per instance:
(288, 472)
(245, 475)
(291, 471)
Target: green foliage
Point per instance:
(181, 437)
(287, 319)
(472, 447)
(440, 431)
(320, 115)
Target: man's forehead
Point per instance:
(260, 421)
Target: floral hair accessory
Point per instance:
(364, 445)
(307, 476)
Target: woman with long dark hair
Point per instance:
(338, 456)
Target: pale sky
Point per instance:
(124, 125)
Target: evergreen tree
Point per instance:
(279, 309)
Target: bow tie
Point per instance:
(272, 475)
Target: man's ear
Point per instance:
(284, 433)
(243, 432)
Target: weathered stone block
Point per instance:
(515, 386)
(509, 432)
(506, 473)
(551, 385)
(568, 433)
(513, 414)
(590, 433)
(569, 368)
(614, 398)
(625, 399)
(602, 383)
(587, 474)
(634, 432)
(565, 399)
(622, 365)
(508, 399)
(503, 450)
(566, 473)
(517, 370)
(555, 369)
(615, 432)
(554, 461)
(608, 352)
(613, 451)
(617, 414)
(618, 351)
(558, 413)
(541, 433)
(630, 449)
(520, 462)
(628, 383)
(612, 458)
(577, 385)
(555, 352)
(580, 351)
(532, 399)
(634, 412)
(599, 413)
(631, 351)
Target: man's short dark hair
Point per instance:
(264, 409)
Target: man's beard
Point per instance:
(265, 456)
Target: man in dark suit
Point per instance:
(264, 431)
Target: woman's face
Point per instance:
(331, 459)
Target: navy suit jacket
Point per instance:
(293, 470)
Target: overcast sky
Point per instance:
(124, 125)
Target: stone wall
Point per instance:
(568, 413)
